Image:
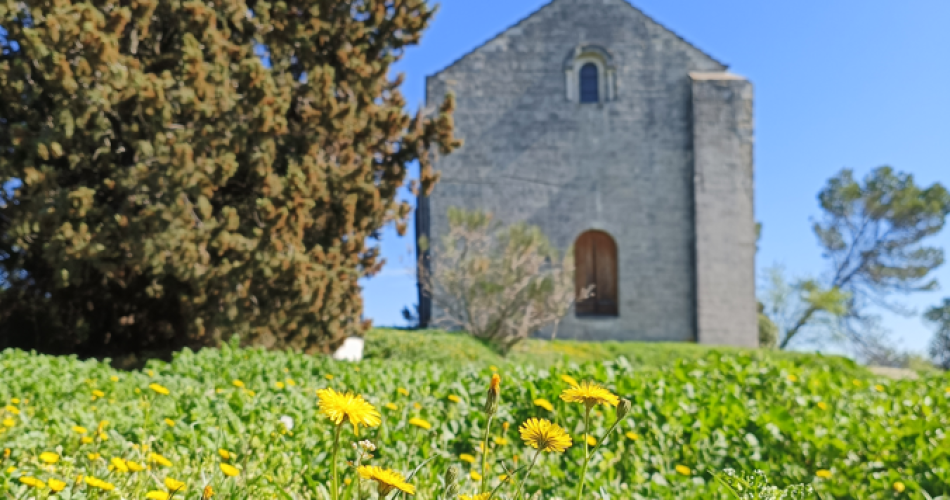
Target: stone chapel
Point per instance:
(625, 142)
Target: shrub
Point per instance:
(186, 170)
(499, 283)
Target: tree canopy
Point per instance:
(873, 233)
(193, 170)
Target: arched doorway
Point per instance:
(595, 264)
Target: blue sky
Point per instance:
(839, 84)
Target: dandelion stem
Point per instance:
(527, 472)
(484, 487)
(335, 492)
(580, 484)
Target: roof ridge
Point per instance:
(552, 2)
(492, 39)
(677, 35)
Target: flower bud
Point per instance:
(491, 400)
(623, 408)
(451, 482)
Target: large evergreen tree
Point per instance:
(192, 170)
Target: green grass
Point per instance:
(696, 411)
(438, 346)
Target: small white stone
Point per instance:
(351, 350)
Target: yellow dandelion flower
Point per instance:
(633, 436)
(856, 382)
(6, 453)
(684, 470)
(338, 407)
(11, 469)
(80, 430)
(823, 473)
(56, 485)
(590, 394)
(103, 437)
(402, 391)
(543, 435)
(544, 403)
(502, 478)
(98, 483)
(159, 389)
(135, 466)
(465, 457)
(500, 441)
(481, 496)
(328, 376)
(291, 382)
(420, 423)
(591, 441)
(279, 384)
(155, 458)
(119, 464)
(822, 405)
(12, 409)
(570, 380)
(207, 493)
(417, 406)
(174, 485)
(93, 456)
(98, 394)
(32, 482)
(114, 378)
(169, 422)
(237, 383)
(15, 401)
(225, 454)
(86, 440)
(386, 480)
(792, 378)
(229, 470)
(391, 406)
(493, 368)
(157, 495)
(455, 399)
(150, 373)
(505, 426)
(879, 388)
(8, 422)
(49, 457)
(475, 476)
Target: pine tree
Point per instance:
(186, 171)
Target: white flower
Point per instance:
(288, 422)
(367, 445)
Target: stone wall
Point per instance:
(725, 227)
(624, 166)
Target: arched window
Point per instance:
(590, 91)
(595, 264)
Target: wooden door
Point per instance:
(595, 262)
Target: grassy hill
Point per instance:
(458, 348)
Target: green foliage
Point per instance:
(768, 330)
(790, 416)
(800, 306)
(940, 345)
(499, 283)
(756, 487)
(873, 233)
(176, 190)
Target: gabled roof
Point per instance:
(552, 2)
